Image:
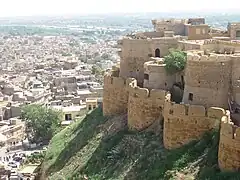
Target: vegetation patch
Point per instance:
(175, 61)
(86, 150)
(41, 122)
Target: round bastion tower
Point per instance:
(155, 75)
(207, 80)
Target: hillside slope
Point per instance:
(97, 148)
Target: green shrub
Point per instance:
(175, 61)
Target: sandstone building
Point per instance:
(141, 87)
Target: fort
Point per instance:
(209, 84)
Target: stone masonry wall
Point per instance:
(115, 95)
(184, 123)
(207, 79)
(229, 146)
(145, 107)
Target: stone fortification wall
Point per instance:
(135, 52)
(221, 45)
(176, 25)
(207, 80)
(184, 123)
(189, 45)
(236, 77)
(229, 146)
(115, 95)
(145, 107)
(155, 75)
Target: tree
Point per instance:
(175, 61)
(41, 122)
(96, 70)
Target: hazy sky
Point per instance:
(51, 7)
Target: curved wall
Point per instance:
(207, 80)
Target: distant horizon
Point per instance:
(33, 8)
(164, 13)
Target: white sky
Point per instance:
(51, 7)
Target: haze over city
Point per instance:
(66, 7)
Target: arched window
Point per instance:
(157, 53)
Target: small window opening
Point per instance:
(68, 117)
(146, 76)
(190, 96)
(89, 107)
(157, 53)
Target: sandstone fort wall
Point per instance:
(145, 107)
(207, 80)
(184, 123)
(115, 95)
(135, 52)
(156, 76)
(229, 146)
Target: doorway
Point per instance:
(68, 117)
(157, 53)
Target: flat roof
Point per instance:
(29, 169)
(69, 108)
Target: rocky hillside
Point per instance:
(97, 148)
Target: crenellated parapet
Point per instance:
(184, 123)
(229, 146)
(115, 94)
(145, 107)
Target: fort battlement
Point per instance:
(207, 79)
(144, 93)
(145, 107)
(115, 94)
(229, 146)
(169, 21)
(184, 123)
(138, 87)
(221, 42)
(212, 58)
(116, 82)
(173, 109)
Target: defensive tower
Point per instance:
(207, 80)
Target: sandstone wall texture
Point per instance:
(207, 80)
(145, 107)
(184, 123)
(156, 77)
(233, 29)
(135, 52)
(115, 95)
(229, 146)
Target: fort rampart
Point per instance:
(184, 123)
(115, 94)
(207, 80)
(145, 107)
(229, 146)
